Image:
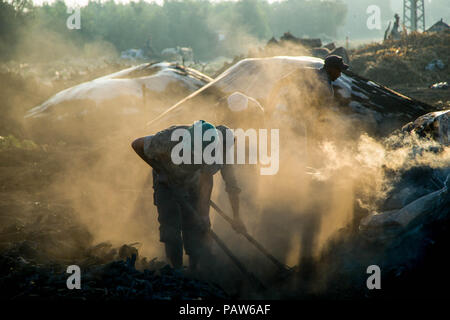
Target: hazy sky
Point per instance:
(85, 2)
(396, 5)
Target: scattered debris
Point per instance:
(435, 64)
(440, 85)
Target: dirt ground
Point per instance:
(402, 65)
(439, 98)
(37, 221)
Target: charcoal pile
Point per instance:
(410, 259)
(115, 280)
(41, 235)
(407, 234)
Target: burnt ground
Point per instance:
(39, 237)
(439, 98)
(40, 233)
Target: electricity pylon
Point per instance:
(414, 15)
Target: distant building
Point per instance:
(306, 42)
(439, 27)
(133, 54)
(272, 41)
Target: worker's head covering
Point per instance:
(237, 101)
(334, 61)
(207, 131)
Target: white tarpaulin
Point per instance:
(128, 83)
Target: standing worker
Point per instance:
(331, 71)
(301, 82)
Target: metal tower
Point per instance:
(414, 15)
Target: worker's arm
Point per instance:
(232, 189)
(151, 155)
(138, 147)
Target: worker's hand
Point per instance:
(239, 226)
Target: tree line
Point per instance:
(211, 29)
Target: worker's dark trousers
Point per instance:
(180, 226)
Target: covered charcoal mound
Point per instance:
(433, 125)
(121, 99)
(377, 108)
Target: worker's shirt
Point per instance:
(324, 93)
(327, 88)
(158, 149)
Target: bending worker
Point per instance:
(181, 187)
